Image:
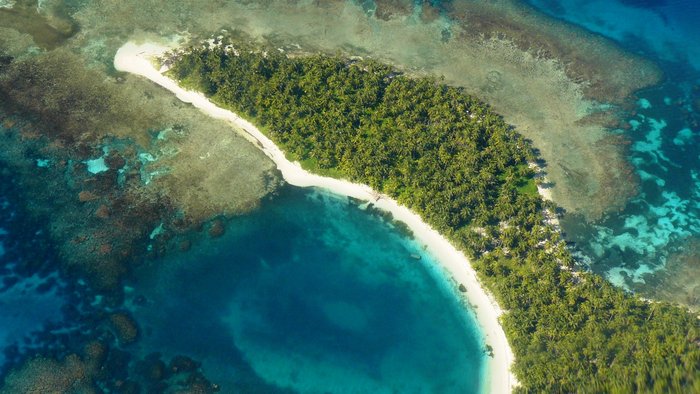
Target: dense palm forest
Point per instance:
(454, 161)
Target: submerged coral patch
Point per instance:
(684, 136)
(643, 103)
(96, 166)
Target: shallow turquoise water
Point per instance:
(314, 294)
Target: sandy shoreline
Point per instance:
(136, 59)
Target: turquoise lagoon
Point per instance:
(313, 293)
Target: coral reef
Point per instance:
(113, 172)
(119, 160)
(156, 374)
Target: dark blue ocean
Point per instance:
(652, 246)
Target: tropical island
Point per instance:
(104, 175)
(452, 160)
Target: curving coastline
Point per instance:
(137, 59)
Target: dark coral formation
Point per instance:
(156, 375)
(98, 368)
(124, 327)
(216, 228)
(46, 375)
(100, 226)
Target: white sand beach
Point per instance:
(137, 59)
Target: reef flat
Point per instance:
(650, 246)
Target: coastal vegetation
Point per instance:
(454, 161)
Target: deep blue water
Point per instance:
(651, 246)
(32, 298)
(313, 294)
